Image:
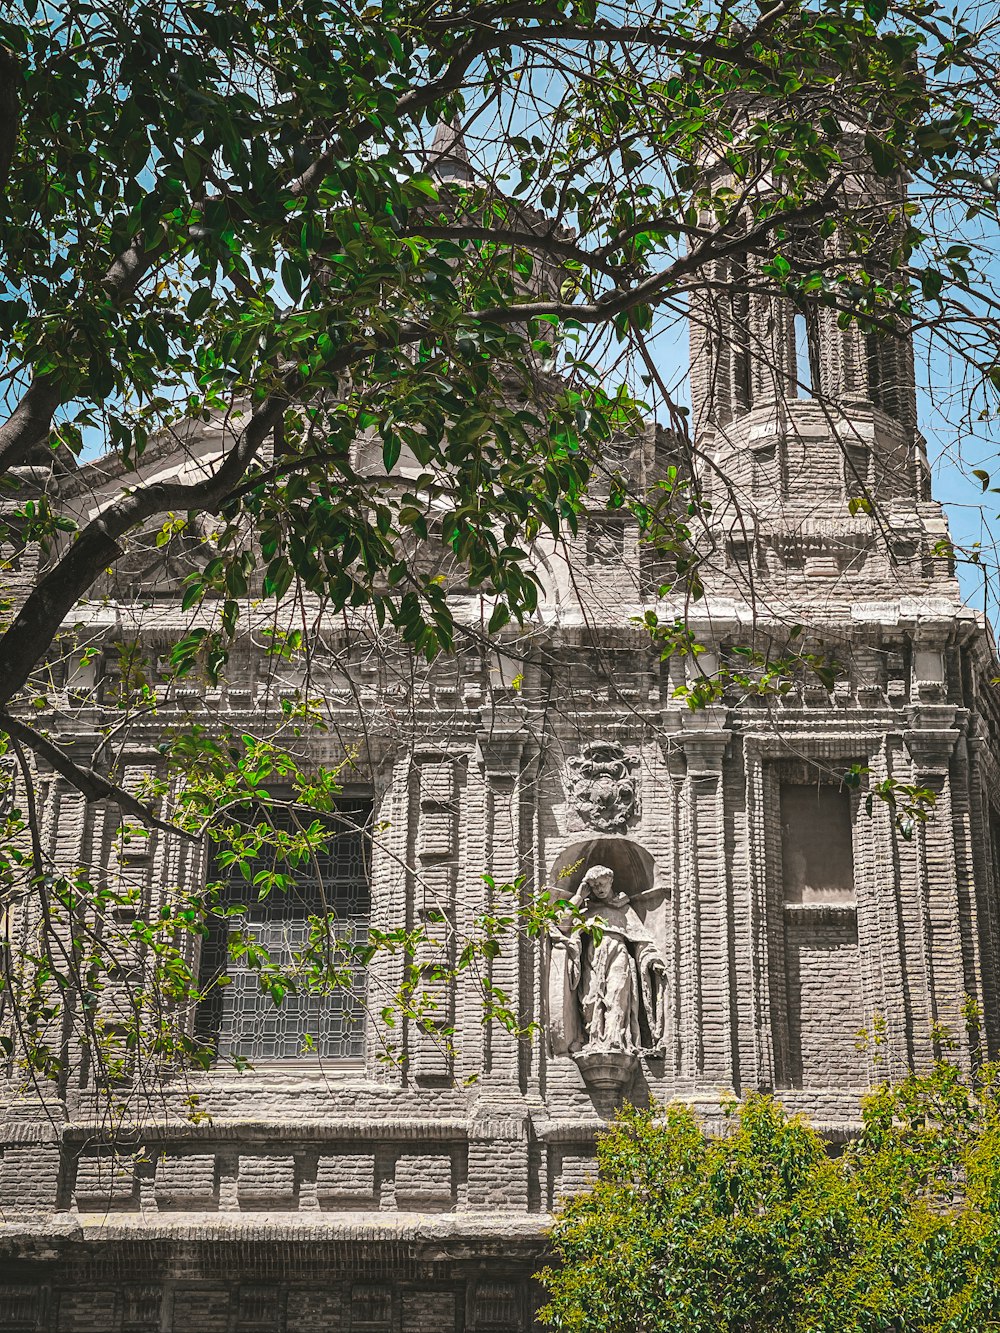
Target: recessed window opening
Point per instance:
(240, 1017)
(740, 306)
(817, 845)
(874, 351)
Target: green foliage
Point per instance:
(759, 1227)
(219, 208)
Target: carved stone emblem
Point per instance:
(602, 787)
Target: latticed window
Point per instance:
(242, 1018)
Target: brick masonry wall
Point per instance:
(825, 1002)
(261, 1288)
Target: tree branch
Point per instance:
(28, 638)
(545, 241)
(29, 424)
(10, 111)
(641, 34)
(92, 785)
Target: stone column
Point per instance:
(986, 892)
(390, 908)
(434, 908)
(883, 935)
(499, 1124)
(680, 933)
(499, 1129)
(763, 926)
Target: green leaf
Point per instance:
(199, 301)
(391, 448)
(425, 185)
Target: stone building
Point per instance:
(760, 911)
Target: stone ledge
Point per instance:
(447, 1129)
(821, 913)
(101, 1228)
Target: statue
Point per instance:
(608, 979)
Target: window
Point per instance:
(883, 371)
(873, 349)
(740, 310)
(807, 371)
(243, 1020)
(817, 849)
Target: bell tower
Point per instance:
(791, 400)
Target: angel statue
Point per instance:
(607, 976)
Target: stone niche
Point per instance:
(632, 865)
(607, 965)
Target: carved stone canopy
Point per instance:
(633, 866)
(602, 788)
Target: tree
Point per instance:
(241, 214)
(759, 1226)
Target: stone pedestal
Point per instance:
(607, 1071)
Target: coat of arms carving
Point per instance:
(602, 787)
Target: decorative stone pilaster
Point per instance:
(390, 906)
(709, 983)
(931, 741)
(434, 906)
(499, 1133)
(32, 1170)
(500, 756)
(763, 923)
(987, 906)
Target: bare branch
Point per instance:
(92, 785)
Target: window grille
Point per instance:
(240, 1018)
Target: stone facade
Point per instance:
(411, 1196)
